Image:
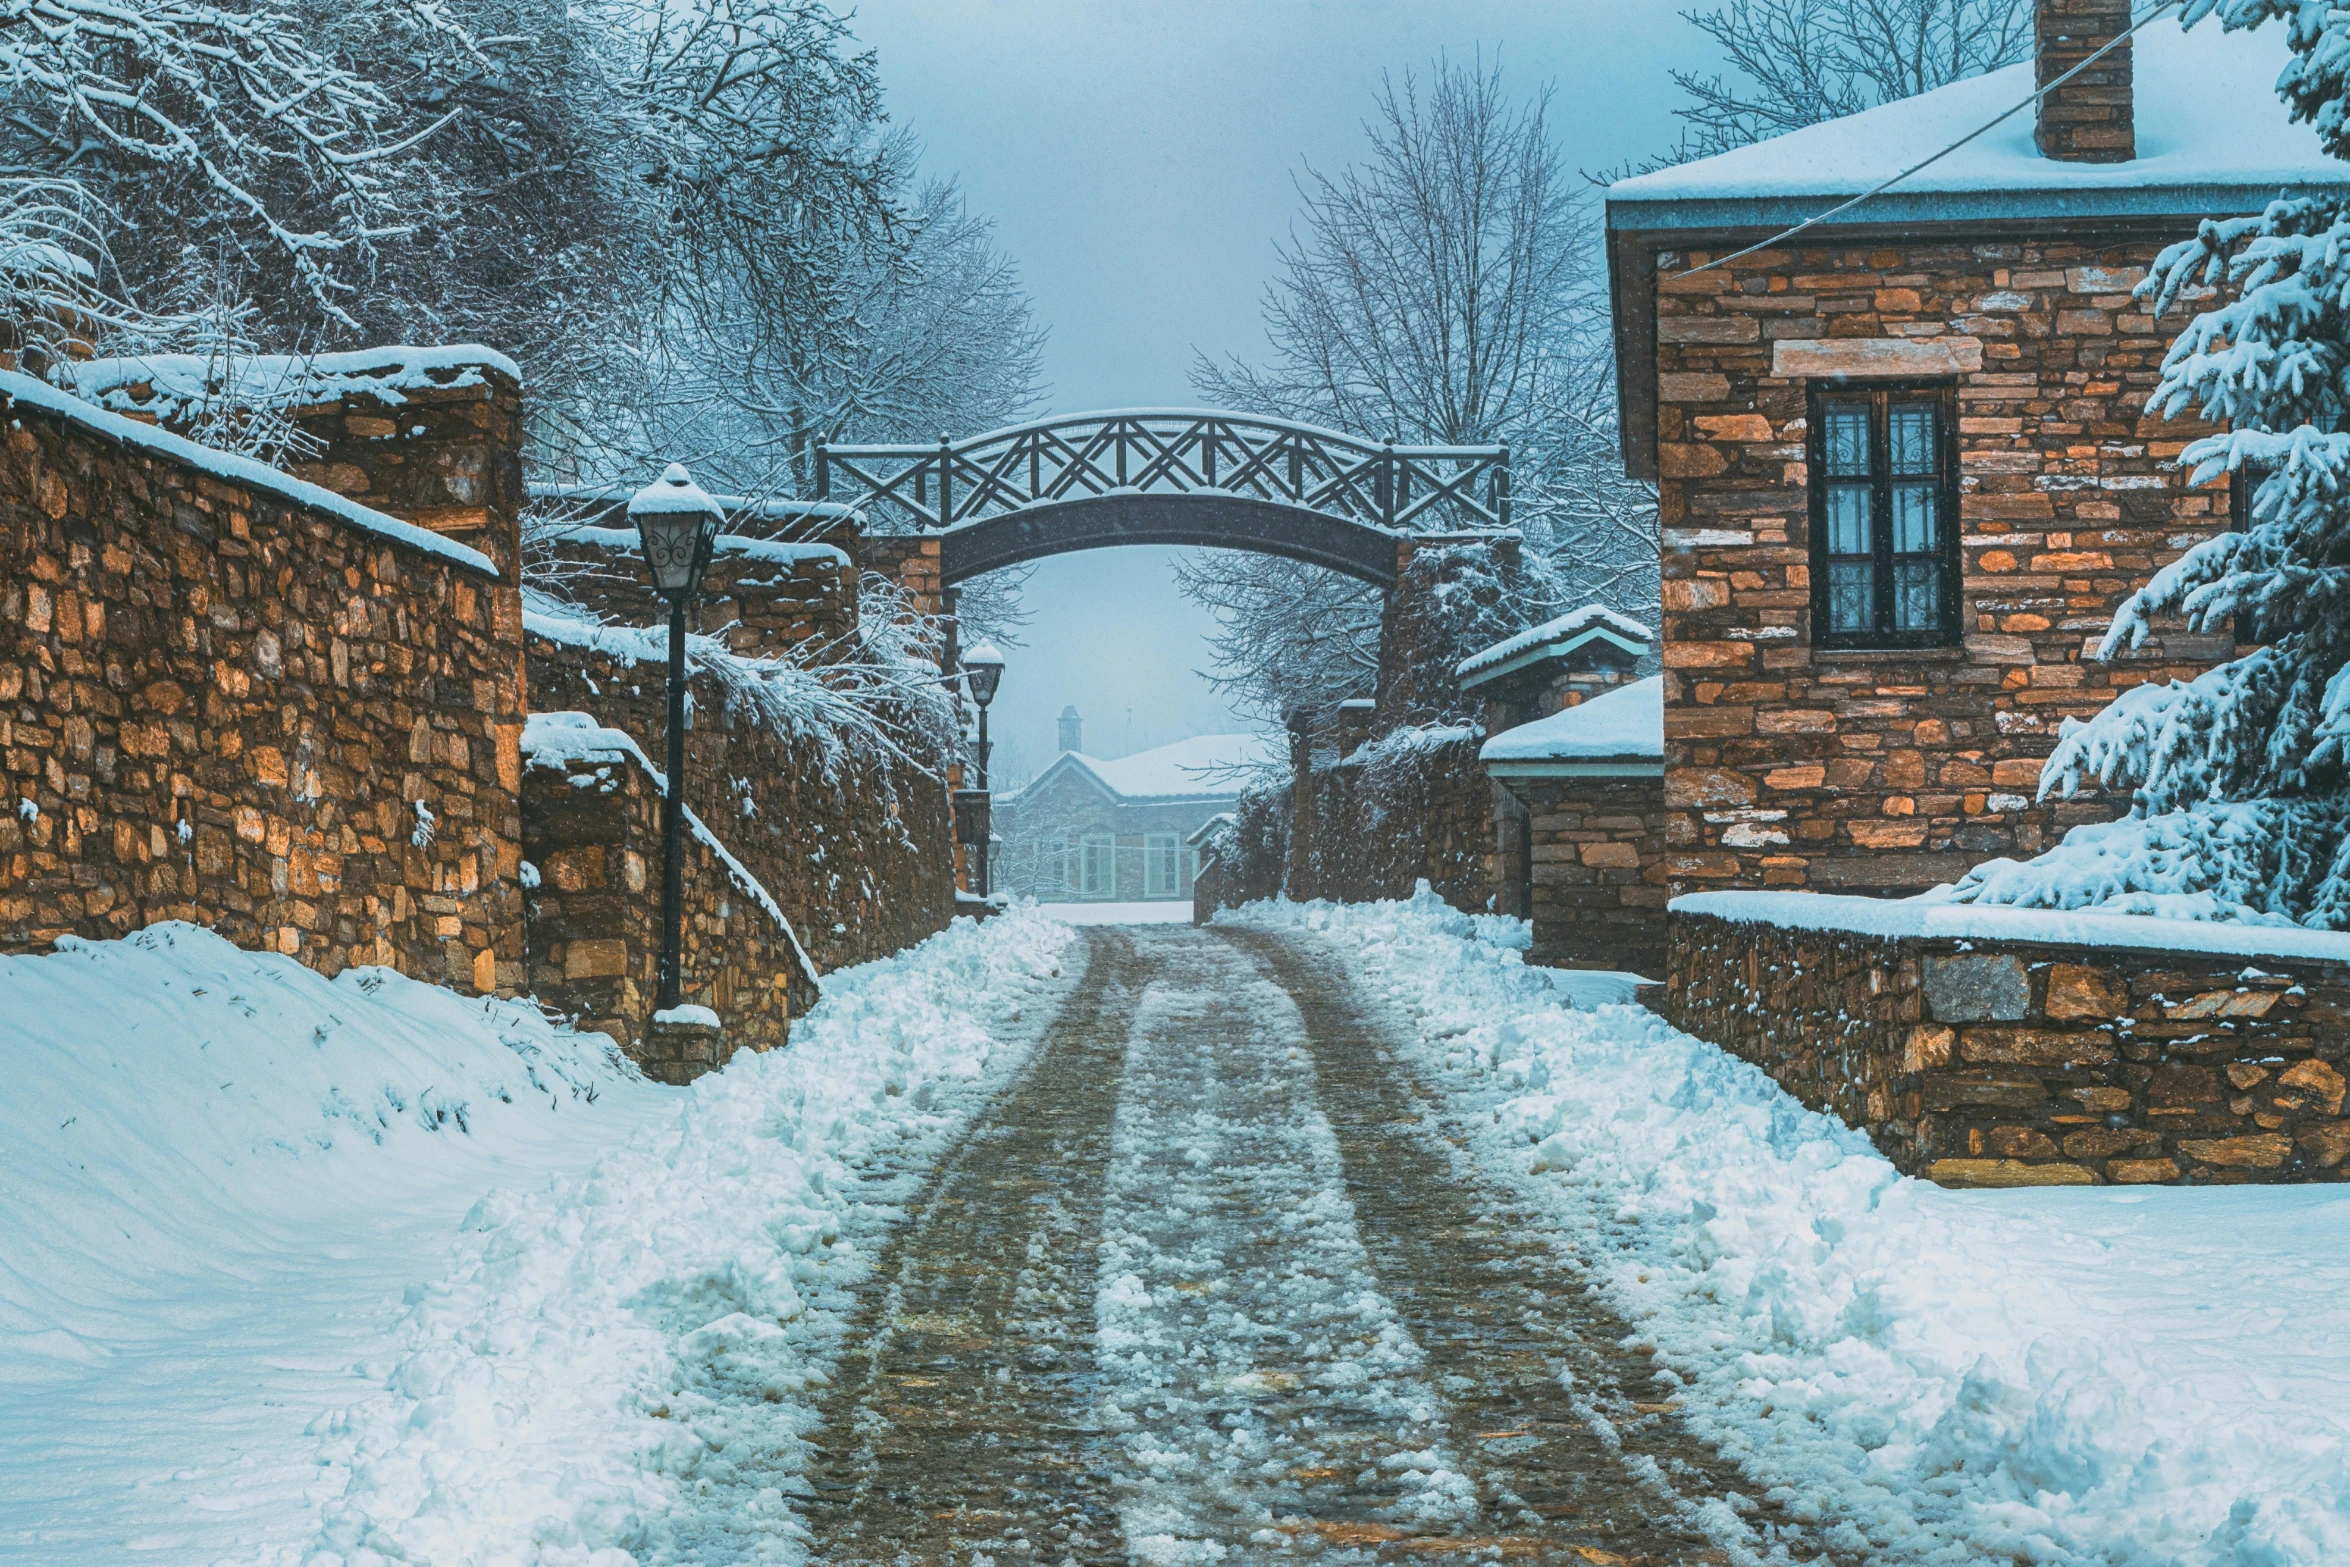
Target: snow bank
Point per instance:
(222, 1170)
(625, 1368)
(2126, 1376)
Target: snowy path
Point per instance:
(1210, 1284)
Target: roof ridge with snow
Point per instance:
(2212, 135)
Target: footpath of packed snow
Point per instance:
(2120, 1375)
(623, 1369)
(218, 1171)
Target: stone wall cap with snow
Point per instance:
(25, 391)
(1554, 638)
(170, 387)
(1938, 918)
(1617, 733)
(2212, 136)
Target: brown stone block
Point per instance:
(2076, 990)
(2319, 1082)
(1997, 1045)
(2102, 1142)
(2006, 1172)
(2141, 1172)
(2261, 1151)
(1683, 386)
(2326, 1145)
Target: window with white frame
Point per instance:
(1098, 872)
(1162, 865)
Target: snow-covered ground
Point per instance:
(2121, 1376)
(292, 1270)
(221, 1173)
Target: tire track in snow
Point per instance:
(1564, 1429)
(1269, 1401)
(957, 1430)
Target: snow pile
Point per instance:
(177, 387)
(2231, 861)
(222, 1169)
(629, 1364)
(1590, 620)
(2140, 1375)
(1626, 722)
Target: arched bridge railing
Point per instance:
(1173, 452)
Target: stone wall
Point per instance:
(2011, 1062)
(1412, 806)
(766, 597)
(1596, 877)
(228, 704)
(850, 837)
(591, 814)
(1791, 765)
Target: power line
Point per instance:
(1781, 238)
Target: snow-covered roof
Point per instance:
(172, 386)
(1618, 732)
(1554, 638)
(2212, 137)
(1204, 767)
(23, 389)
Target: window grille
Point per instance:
(1884, 517)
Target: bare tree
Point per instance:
(1444, 290)
(1798, 62)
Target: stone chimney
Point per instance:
(1072, 730)
(2092, 118)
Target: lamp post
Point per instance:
(983, 665)
(676, 525)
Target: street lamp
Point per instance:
(676, 523)
(983, 665)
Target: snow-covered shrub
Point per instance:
(2240, 794)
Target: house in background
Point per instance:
(1119, 831)
(1904, 466)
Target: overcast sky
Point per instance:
(1138, 157)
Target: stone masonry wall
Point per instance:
(852, 844)
(765, 597)
(1790, 765)
(1415, 805)
(593, 823)
(225, 706)
(1596, 847)
(2011, 1064)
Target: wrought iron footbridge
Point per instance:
(1171, 476)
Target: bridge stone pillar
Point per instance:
(1298, 876)
(1424, 632)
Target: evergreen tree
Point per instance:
(2239, 781)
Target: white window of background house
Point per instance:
(1099, 870)
(1162, 865)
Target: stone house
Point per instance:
(1118, 831)
(1904, 466)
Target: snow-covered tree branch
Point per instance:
(1447, 289)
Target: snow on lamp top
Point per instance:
(983, 662)
(676, 523)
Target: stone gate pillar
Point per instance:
(1417, 651)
